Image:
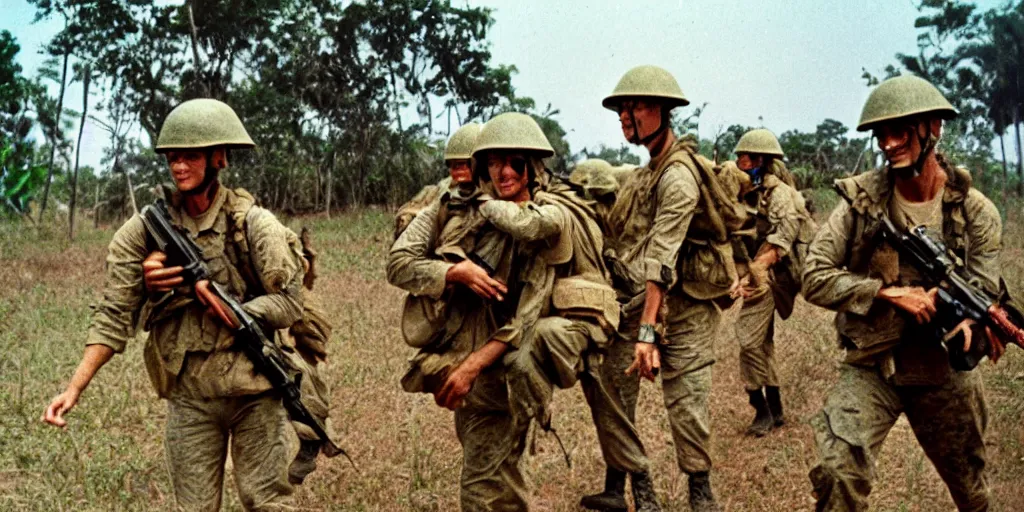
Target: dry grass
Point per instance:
(111, 456)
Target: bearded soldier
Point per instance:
(769, 261)
(893, 364)
(213, 392)
(457, 153)
(671, 259)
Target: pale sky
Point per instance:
(794, 62)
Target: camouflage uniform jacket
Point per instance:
(564, 271)
(418, 203)
(188, 350)
(777, 216)
(459, 322)
(846, 264)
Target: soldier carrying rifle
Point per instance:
(213, 390)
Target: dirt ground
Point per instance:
(405, 451)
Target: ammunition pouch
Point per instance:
(578, 297)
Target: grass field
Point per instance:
(407, 457)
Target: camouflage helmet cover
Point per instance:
(903, 96)
(461, 143)
(202, 123)
(647, 82)
(513, 131)
(759, 141)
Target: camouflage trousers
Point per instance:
(686, 359)
(948, 420)
(755, 330)
(262, 445)
(561, 352)
(492, 446)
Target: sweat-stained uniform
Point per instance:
(777, 216)
(571, 313)
(446, 231)
(421, 200)
(644, 235)
(892, 366)
(212, 390)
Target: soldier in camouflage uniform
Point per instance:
(457, 154)
(213, 393)
(893, 365)
(568, 306)
(670, 260)
(769, 260)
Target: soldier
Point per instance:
(670, 264)
(457, 153)
(568, 306)
(893, 365)
(212, 390)
(769, 262)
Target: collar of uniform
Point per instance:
(206, 220)
(871, 190)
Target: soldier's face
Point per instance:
(509, 174)
(187, 168)
(647, 116)
(901, 140)
(746, 161)
(459, 171)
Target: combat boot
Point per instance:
(771, 394)
(613, 499)
(701, 497)
(644, 497)
(763, 419)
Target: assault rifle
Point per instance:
(957, 298)
(267, 357)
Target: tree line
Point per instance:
(350, 102)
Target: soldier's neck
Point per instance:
(925, 186)
(197, 204)
(660, 144)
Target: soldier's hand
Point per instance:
(475, 278)
(214, 305)
(62, 403)
(646, 359)
(912, 299)
(156, 276)
(995, 345)
(456, 387)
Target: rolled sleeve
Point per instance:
(785, 221)
(115, 314)
(410, 266)
(826, 281)
(528, 222)
(677, 195)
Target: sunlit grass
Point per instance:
(407, 456)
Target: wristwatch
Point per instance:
(646, 334)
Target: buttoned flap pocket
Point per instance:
(582, 297)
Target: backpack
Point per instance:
(706, 269)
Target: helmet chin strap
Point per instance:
(637, 140)
(927, 145)
(210, 175)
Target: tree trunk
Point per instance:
(96, 207)
(131, 192)
(56, 135)
(1020, 163)
(78, 153)
(1002, 150)
(330, 185)
(195, 49)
